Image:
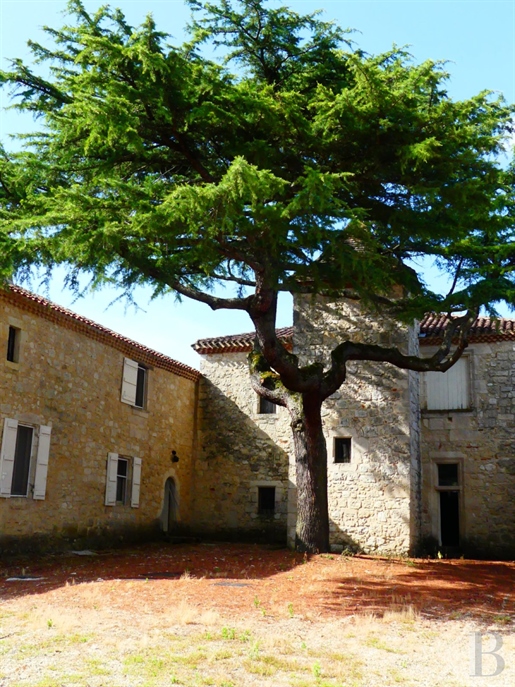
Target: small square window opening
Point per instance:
(266, 501)
(266, 407)
(448, 475)
(342, 449)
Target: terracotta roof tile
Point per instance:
(432, 327)
(56, 313)
(484, 329)
(237, 342)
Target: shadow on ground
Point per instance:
(245, 578)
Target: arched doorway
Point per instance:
(170, 506)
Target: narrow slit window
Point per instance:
(266, 501)
(342, 449)
(13, 345)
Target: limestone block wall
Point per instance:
(71, 382)
(239, 451)
(373, 498)
(481, 440)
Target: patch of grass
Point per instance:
(228, 633)
(377, 643)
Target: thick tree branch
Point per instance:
(441, 361)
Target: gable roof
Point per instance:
(238, 343)
(432, 327)
(31, 302)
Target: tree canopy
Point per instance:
(295, 162)
(297, 158)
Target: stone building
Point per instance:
(98, 432)
(103, 438)
(416, 462)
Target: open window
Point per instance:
(24, 460)
(123, 481)
(134, 383)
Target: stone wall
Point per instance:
(373, 500)
(239, 450)
(481, 440)
(71, 381)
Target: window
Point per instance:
(13, 345)
(22, 455)
(449, 488)
(266, 501)
(19, 465)
(266, 407)
(449, 390)
(342, 447)
(123, 480)
(134, 383)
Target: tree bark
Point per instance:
(312, 530)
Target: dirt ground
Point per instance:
(234, 578)
(100, 620)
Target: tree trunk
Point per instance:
(312, 533)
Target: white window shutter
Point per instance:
(136, 481)
(7, 456)
(130, 381)
(450, 390)
(42, 463)
(112, 472)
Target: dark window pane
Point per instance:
(342, 449)
(266, 501)
(121, 480)
(140, 387)
(266, 407)
(11, 345)
(20, 483)
(448, 475)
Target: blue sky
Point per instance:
(477, 38)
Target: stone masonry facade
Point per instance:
(480, 441)
(373, 497)
(111, 457)
(240, 451)
(67, 377)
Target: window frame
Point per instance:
(141, 387)
(29, 458)
(13, 344)
(134, 389)
(343, 441)
(131, 496)
(261, 510)
(38, 461)
(265, 407)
